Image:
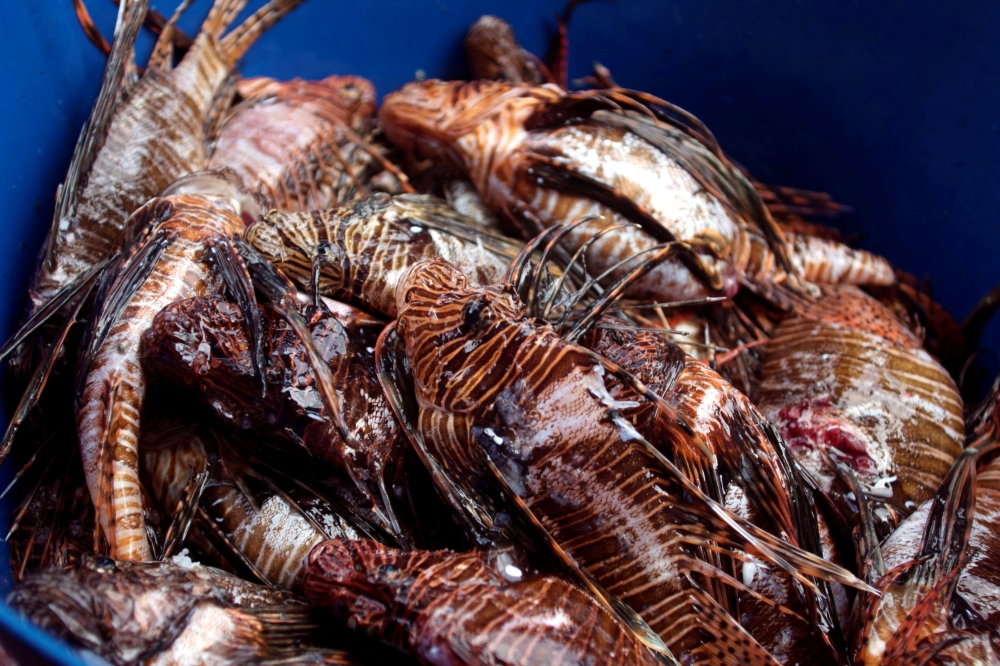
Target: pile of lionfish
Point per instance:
(499, 373)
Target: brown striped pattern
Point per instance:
(491, 130)
(468, 608)
(156, 136)
(541, 409)
(849, 307)
(822, 261)
(730, 426)
(370, 245)
(115, 386)
(481, 127)
(890, 410)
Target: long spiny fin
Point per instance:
(221, 16)
(717, 175)
(236, 43)
(184, 514)
(656, 121)
(570, 303)
(95, 132)
(512, 276)
(949, 521)
(701, 611)
(237, 280)
(26, 502)
(565, 178)
(40, 378)
(615, 291)
(391, 372)
(542, 264)
(52, 307)
(794, 561)
(577, 260)
(935, 600)
(61, 514)
(282, 295)
(213, 532)
(89, 29)
(163, 51)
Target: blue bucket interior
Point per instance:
(893, 108)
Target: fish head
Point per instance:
(430, 118)
(347, 96)
(494, 53)
(439, 314)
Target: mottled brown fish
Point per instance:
(178, 236)
(357, 252)
(755, 477)
(166, 612)
(270, 529)
(203, 343)
(467, 609)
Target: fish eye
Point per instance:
(471, 312)
(476, 315)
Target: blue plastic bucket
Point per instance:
(894, 108)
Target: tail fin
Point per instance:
(221, 16)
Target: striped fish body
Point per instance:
(156, 136)
(480, 128)
(820, 261)
(366, 247)
(202, 343)
(295, 143)
(847, 377)
(114, 389)
(271, 531)
(730, 426)
(473, 608)
(490, 381)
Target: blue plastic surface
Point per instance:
(892, 107)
